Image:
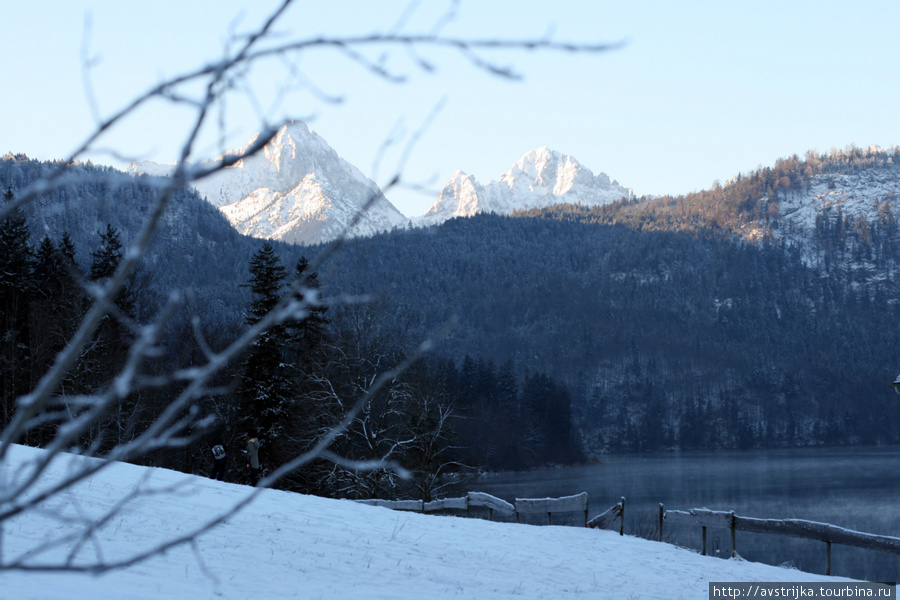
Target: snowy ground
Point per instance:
(293, 546)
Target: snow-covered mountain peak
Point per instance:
(540, 178)
(560, 173)
(295, 141)
(291, 136)
(296, 189)
(537, 164)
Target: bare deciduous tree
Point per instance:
(24, 491)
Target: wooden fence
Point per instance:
(523, 506)
(577, 503)
(700, 517)
(466, 503)
(798, 528)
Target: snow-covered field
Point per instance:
(288, 545)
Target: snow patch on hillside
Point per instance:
(863, 195)
(867, 198)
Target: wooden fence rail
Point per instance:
(576, 503)
(548, 506)
(470, 500)
(608, 517)
(798, 528)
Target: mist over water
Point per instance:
(855, 488)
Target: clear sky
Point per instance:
(699, 92)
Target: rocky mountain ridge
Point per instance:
(539, 179)
(296, 190)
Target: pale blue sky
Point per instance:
(700, 92)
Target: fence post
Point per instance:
(828, 557)
(704, 541)
(733, 536)
(549, 518)
(622, 522)
(662, 514)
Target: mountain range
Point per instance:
(762, 312)
(298, 190)
(758, 313)
(539, 179)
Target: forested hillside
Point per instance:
(759, 313)
(704, 321)
(294, 384)
(196, 247)
(758, 205)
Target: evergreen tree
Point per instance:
(309, 343)
(16, 263)
(266, 392)
(110, 340)
(266, 279)
(105, 261)
(48, 335)
(509, 430)
(549, 405)
(309, 335)
(107, 353)
(314, 408)
(56, 310)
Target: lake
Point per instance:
(855, 488)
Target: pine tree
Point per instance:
(111, 337)
(56, 309)
(265, 394)
(508, 420)
(16, 263)
(309, 336)
(67, 249)
(105, 261)
(48, 277)
(58, 303)
(110, 345)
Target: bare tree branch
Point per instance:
(180, 422)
